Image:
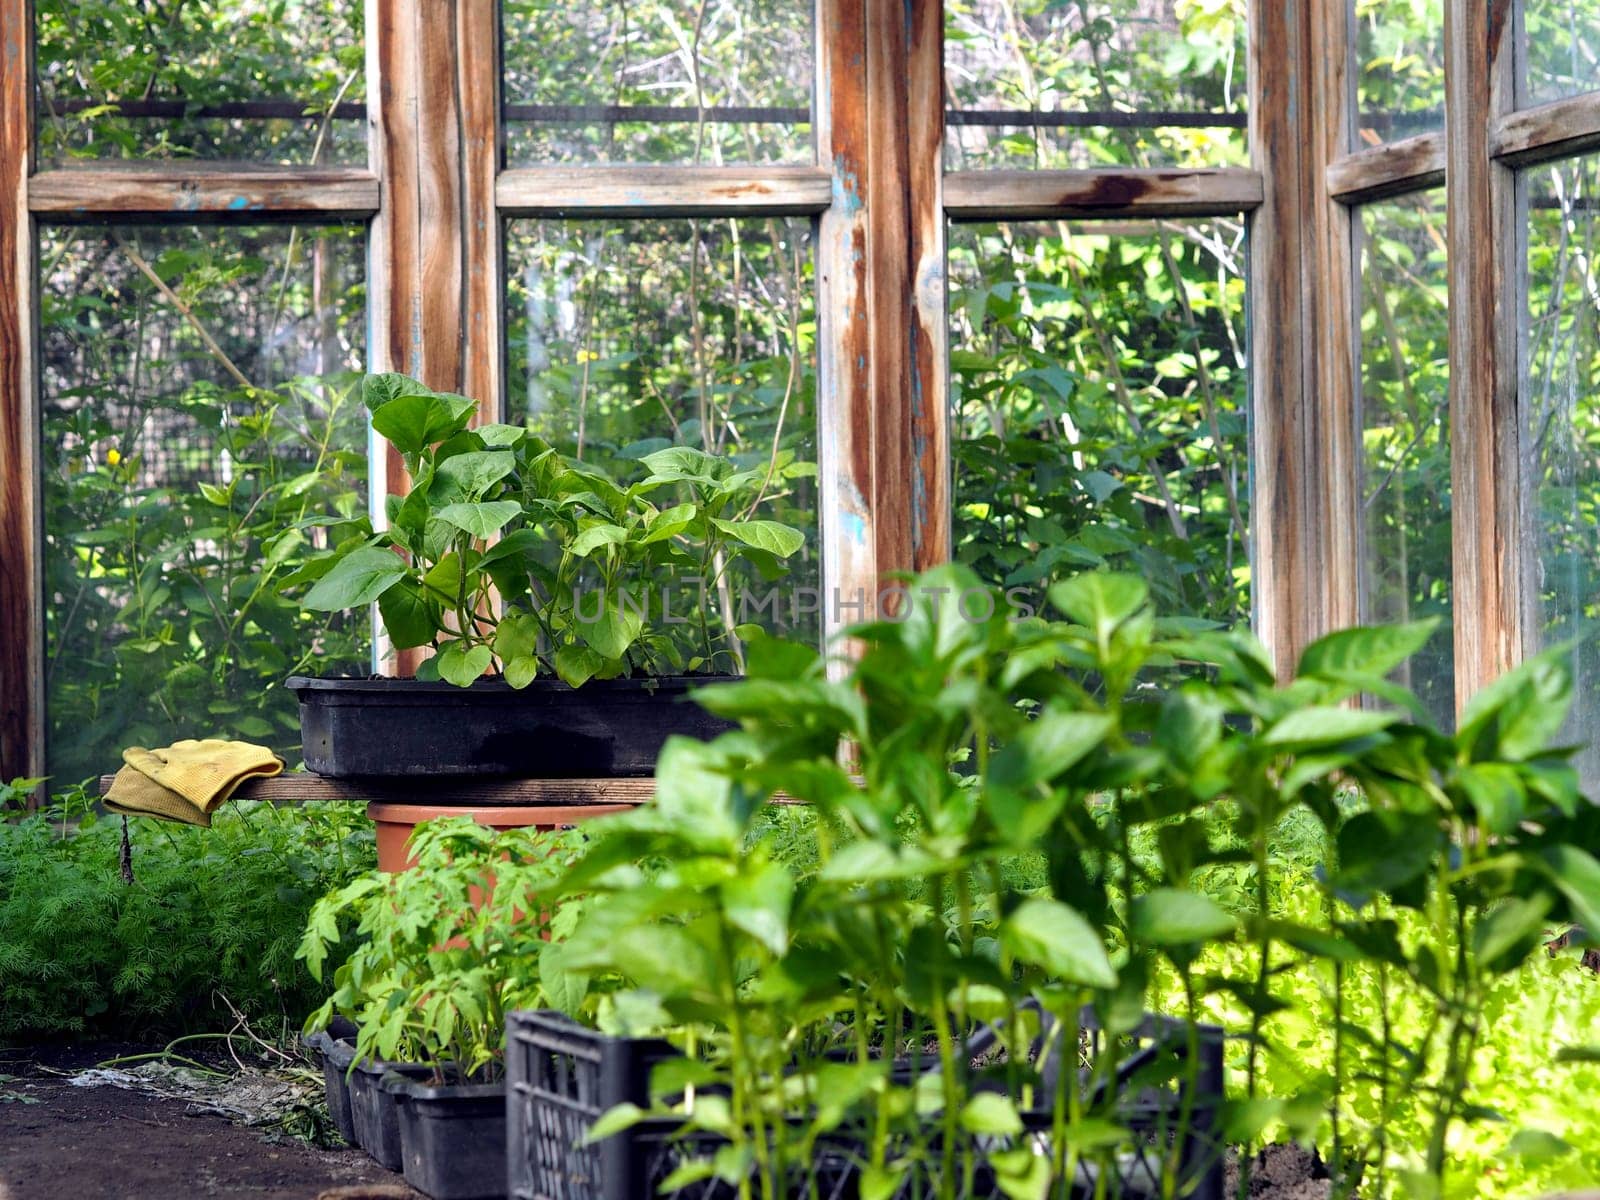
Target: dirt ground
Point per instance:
(60, 1142)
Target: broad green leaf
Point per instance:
(514, 545)
(1496, 793)
(279, 549)
(468, 476)
(221, 497)
(1577, 874)
(415, 421)
(772, 536)
(686, 1173)
(576, 665)
(1516, 716)
(1383, 850)
(461, 666)
(1048, 934)
(757, 901)
(989, 1112)
(378, 390)
(444, 577)
(1326, 725)
(409, 617)
(517, 636)
(617, 628)
(668, 523)
(1369, 650)
(1100, 600)
(358, 578)
(1169, 917)
(1047, 746)
(613, 1121)
(1536, 1146)
(481, 520)
(682, 463)
(520, 672)
(497, 434)
(595, 536)
(1504, 938)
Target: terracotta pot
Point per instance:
(395, 822)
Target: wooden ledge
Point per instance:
(303, 787)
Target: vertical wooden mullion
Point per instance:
(1493, 599)
(927, 369)
(22, 693)
(889, 280)
(883, 449)
(434, 255)
(483, 347)
(1335, 329)
(1305, 506)
(845, 467)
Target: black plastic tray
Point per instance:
(388, 728)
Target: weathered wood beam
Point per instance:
(1491, 541)
(1412, 164)
(1130, 192)
(628, 191)
(478, 87)
(22, 696)
(926, 491)
(844, 322)
(181, 193)
(1559, 129)
(1304, 443)
(302, 787)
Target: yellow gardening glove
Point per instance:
(135, 793)
(205, 773)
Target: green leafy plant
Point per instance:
(210, 913)
(584, 567)
(1440, 861)
(442, 950)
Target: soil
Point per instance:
(1282, 1172)
(60, 1141)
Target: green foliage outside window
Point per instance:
(1097, 389)
(189, 462)
(94, 53)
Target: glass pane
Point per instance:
(1098, 392)
(1562, 391)
(627, 337)
(1116, 82)
(184, 443)
(1560, 49)
(231, 79)
(1400, 84)
(1406, 433)
(723, 81)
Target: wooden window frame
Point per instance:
(436, 196)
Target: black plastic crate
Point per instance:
(561, 1076)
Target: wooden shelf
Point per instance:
(302, 787)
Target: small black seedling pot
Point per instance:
(452, 1137)
(373, 1110)
(388, 728)
(337, 1053)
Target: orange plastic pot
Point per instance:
(396, 821)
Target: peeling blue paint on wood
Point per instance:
(846, 188)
